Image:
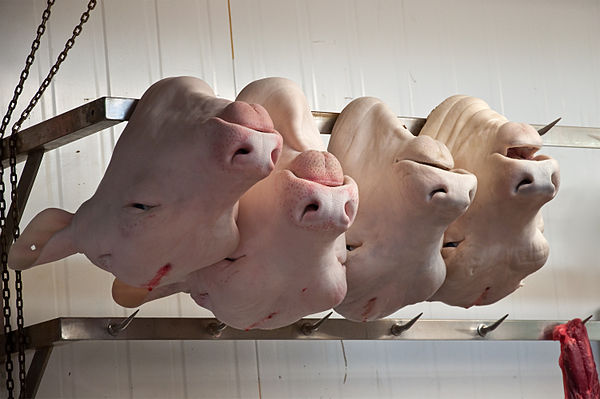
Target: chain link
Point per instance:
(14, 197)
(3, 241)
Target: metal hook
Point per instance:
(308, 329)
(398, 328)
(215, 329)
(549, 126)
(483, 330)
(587, 319)
(115, 329)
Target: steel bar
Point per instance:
(63, 330)
(36, 371)
(71, 125)
(108, 111)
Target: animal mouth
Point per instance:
(526, 152)
(323, 180)
(433, 165)
(430, 163)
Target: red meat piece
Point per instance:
(580, 378)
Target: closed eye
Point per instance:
(234, 259)
(448, 248)
(451, 244)
(141, 206)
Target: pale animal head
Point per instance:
(290, 260)
(167, 203)
(409, 194)
(498, 241)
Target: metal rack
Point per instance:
(105, 112)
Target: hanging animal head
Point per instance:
(409, 193)
(498, 241)
(290, 259)
(167, 203)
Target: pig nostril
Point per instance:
(348, 209)
(555, 180)
(242, 151)
(471, 195)
(523, 182)
(313, 207)
(440, 190)
(275, 155)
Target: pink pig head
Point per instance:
(167, 203)
(409, 194)
(498, 241)
(290, 259)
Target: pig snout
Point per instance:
(259, 145)
(538, 178)
(328, 208)
(318, 166)
(453, 193)
(252, 116)
(254, 150)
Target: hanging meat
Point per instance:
(167, 203)
(580, 378)
(409, 194)
(499, 240)
(290, 261)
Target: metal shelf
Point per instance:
(105, 112)
(109, 111)
(72, 329)
(43, 337)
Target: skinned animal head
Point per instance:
(498, 241)
(409, 194)
(167, 203)
(290, 259)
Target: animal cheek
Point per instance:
(128, 228)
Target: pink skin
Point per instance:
(499, 240)
(300, 271)
(289, 262)
(409, 194)
(301, 210)
(183, 161)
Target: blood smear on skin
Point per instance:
(260, 321)
(162, 272)
(368, 308)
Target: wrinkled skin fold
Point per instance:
(409, 194)
(499, 240)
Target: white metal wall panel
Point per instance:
(533, 61)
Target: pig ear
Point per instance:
(46, 239)
(128, 296)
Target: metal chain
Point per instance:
(14, 180)
(4, 244)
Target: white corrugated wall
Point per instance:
(531, 60)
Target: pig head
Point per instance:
(409, 194)
(167, 203)
(498, 241)
(290, 259)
